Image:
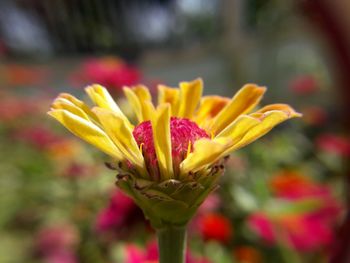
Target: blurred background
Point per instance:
(283, 198)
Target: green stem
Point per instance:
(172, 244)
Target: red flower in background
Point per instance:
(214, 226)
(305, 229)
(111, 72)
(334, 144)
(293, 185)
(304, 85)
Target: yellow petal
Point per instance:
(121, 135)
(267, 121)
(209, 107)
(87, 131)
(63, 104)
(137, 96)
(169, 95)
(280, 107)
(205, 152)
(78, 103)
(238, 128)
(242, 102)
(190, 95)
(100, 96)
(162, 140)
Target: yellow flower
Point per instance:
(171, 160)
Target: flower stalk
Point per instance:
(172, 244)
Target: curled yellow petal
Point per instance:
(78, 103)
(121, 135)
(280, 107)
(87, 131)
(238, 128)
(242, 102)
(63, 104)
(162, 140)
(190, 94)
(267, 121)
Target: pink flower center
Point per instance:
(183, 135)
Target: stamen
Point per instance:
(184, 133)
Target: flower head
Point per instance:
(172, 158)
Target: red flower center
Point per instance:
(183, 135)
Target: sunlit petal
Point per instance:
(100, 96)
(205, 152)
(209, 107)
(190, 94)
(137, 96)
(242, 102)
(120, 134)
(162, 142)
(87, 131)
(169, 95)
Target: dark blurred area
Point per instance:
(58, 203)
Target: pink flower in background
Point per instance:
(305, 229)
(78, 170)
(302, 232)
(135, 254)
(334, 144)
(304, 85)
(56, 244)
(117, 214)
(61, 257)
(262, 225)
(111, 72)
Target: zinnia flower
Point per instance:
(172, 158)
